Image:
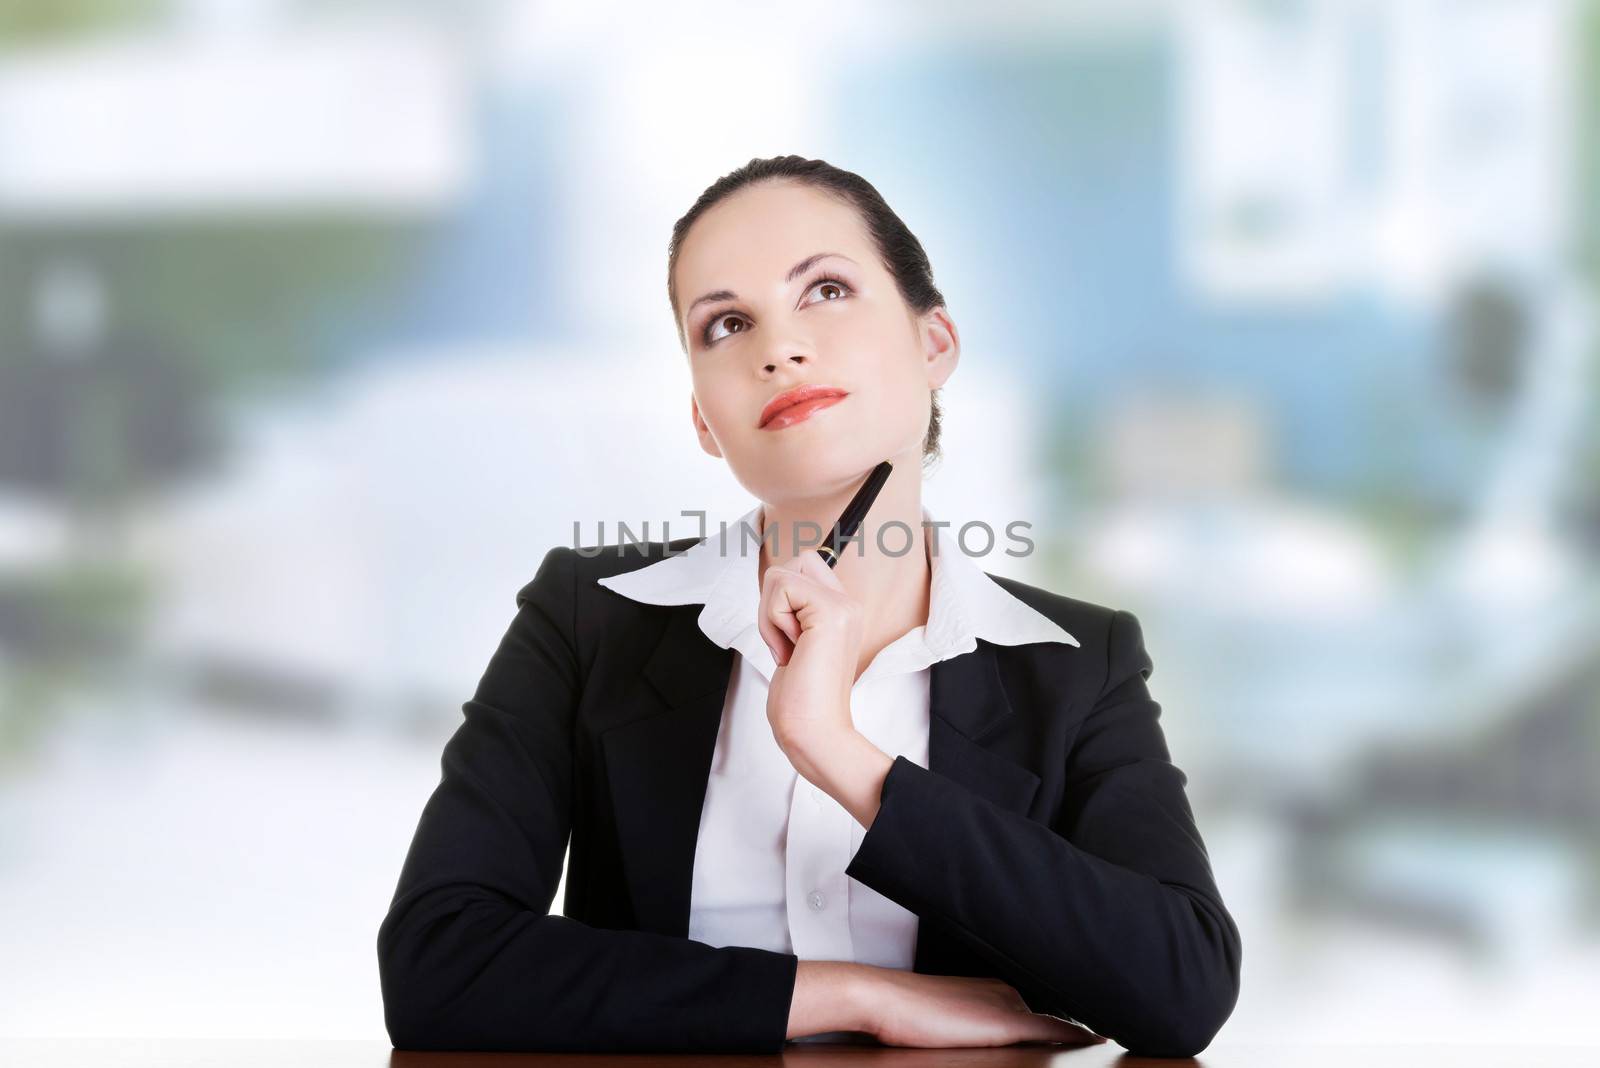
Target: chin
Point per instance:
(814, 473)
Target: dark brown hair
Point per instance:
(898, 248)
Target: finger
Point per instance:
(775, 639)
(1054, 1029)
(823, 586)
(782, 603)
(779, 625)
(771, 632)
(815, 567)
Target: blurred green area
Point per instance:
(63, 627)
(202, 314)
(33, 22)
(202, 311)
(233, 305)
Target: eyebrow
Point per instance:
(794, 272)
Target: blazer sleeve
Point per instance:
(469, 957)
(1109, 917)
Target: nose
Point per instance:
(793, 359)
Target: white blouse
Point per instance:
(769, 865)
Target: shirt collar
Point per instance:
(719, 571)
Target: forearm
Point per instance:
(462, 969)
(846, 766)
(829, 995)
(1150, 963)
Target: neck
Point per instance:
(891, 585)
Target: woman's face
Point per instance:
(840, 322)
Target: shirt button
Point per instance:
(817, 900)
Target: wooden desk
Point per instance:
(288, 1053)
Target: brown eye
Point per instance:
(709, 338)
(825, 284)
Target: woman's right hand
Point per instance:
(912, 1009)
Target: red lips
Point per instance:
(798, 395)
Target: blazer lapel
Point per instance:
(658, 766)
(658, 763)
(967, 702)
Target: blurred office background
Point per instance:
(320, 322)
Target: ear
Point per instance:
(707, 442)
(941, 346)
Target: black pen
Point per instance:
(854, 512)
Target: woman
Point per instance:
(899, 798)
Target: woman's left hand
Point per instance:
(813, 626)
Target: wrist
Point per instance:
(811, 743)
(865, 992)
(833, 996)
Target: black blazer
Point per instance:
(1049, 843)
